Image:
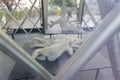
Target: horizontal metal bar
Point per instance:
(102, 33)
(8, 46)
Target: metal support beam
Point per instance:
(80, 11)
(45, 13)
(103, 32)
(8, 46)
(114, 53)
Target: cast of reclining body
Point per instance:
(52, 52)
(52, 49)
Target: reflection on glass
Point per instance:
(63, 16)
(72, 16)
(20, 14)
(91, 15)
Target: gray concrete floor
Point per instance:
(101, 60)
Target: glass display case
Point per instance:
(70, 16)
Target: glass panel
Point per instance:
(71, 16)
(20, 14)
(91, 15)
(63, 17)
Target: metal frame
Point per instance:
(81, 10)
(100, 36)
(44, 13)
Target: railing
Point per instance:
(107, 29)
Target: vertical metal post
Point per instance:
(45, 13)
(114, 53)
(80, 11)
